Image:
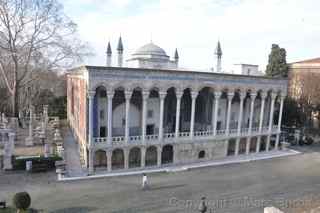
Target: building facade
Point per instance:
(133, 118)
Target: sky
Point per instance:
(245, 28)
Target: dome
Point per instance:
(151, 49)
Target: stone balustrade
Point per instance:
(183, 137)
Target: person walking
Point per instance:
(144, 181)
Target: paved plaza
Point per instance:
(291, 181)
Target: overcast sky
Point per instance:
(245, 28)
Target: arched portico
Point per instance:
(100, 159)
(134, 157)
(167, 154)
(117, 159)
(151, 156)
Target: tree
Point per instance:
(277, 64)
(309, 93)
(35, 35)
(293, 115)
(22, 201)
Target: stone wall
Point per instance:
(189, 153)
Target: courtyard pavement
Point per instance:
(72, 156)
(291, 183)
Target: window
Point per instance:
(102, 114)
(123, 121)
(150, 113)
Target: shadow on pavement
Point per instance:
(150, 188)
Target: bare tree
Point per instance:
(35, 35)
(309, 92)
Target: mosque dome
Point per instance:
(151, 49)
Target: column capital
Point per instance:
(194, 94)
(230, 95)
(242, 95)
(145, 94)
(127, 94)
(162, 94)
(253, 95)
(110, 94)
(91, 93)
(263, 95)
(273, 95)
(217, 94)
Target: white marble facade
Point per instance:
(174, 116)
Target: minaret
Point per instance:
(109, 55)
(176, 58)
(120, 52)
(218, 53)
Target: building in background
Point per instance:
(304, 78)
(247, 69)
(154, 114)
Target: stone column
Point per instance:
(253, 98)
(109, 160)
(91, 157)
(258, 144)
(127, 94)
(217, 96)
(263, 96)
(162, 96)
(159, 152)
(279, 121)
(143, 157)
(273, 98)
(8, 152)
(229, 97)
(29, 139)
(110, 96)
(178, 96)
(126, 158)
(242, 96)
(145, 95)
(194, 95)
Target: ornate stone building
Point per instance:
(154, 114)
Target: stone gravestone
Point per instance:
(4, 121)
(29, 139)
(8, 152)
(45, 116)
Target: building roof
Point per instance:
(120, 45)
(190, 72)
(150, 49)
(308, 61)
(109, 51)
(218, 51)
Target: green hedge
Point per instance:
(20, 164)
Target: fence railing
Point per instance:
(184, 136)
